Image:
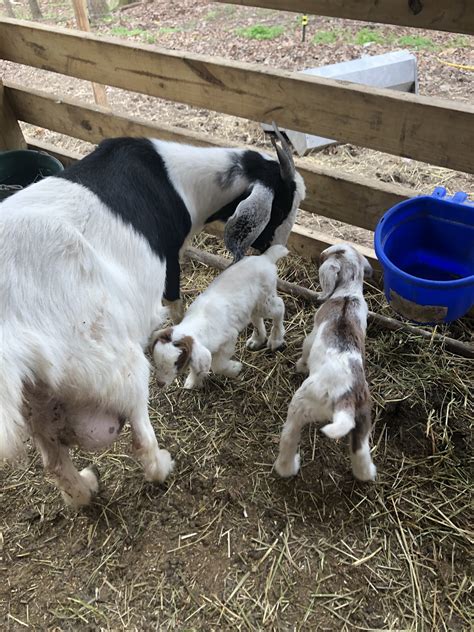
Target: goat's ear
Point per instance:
(186, 346)
(368, 271)
(161, 335)
(328, 276)
(250, 218)
(200, 358)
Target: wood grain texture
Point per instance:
(385, 322)
(11, 136)
(433, 130)
(344, 197)
(82, 20)
(456, 16)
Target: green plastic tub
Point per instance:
(22, 167)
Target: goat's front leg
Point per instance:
(221, 360)
(275, 309)
(299, 414)
(172, 298)
(302, 364)
(157, 464)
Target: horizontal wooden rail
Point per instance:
(456, 16)
(346, 198)
(303, 241)
(433, 130)
(449, 344)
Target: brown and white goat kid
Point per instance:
(333, 354)
(205, 339)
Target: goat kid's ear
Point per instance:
(328, 276)
(249, 219)
(161, 335)
(368, 270)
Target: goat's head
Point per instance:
(340, 265)
(173, 355)
(266, 215)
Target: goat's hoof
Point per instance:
(365, 473)
(255, 345)
(288, 468)
(232, 369)
(301, 366)
(91, 476)
(160, 468)
(274, 344)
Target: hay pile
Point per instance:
(225, 544)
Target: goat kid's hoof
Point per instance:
(255, 345)
(232, 369)
(365, 473)
(301, 366)
(160, 468)
(275, 344)
(288, 468)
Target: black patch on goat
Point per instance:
(255, 168)
(130, 178)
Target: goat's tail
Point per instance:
(13, 430)
(274, 253)
(343, 421)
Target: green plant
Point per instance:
(260, 32)
(460, 41)
(325, 37)
(416, 41)
(368, 36)
(123, 31)
(166, 30)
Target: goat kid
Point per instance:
(205, 339)
(333, 353)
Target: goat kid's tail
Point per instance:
(343, 422)
(274, 253)
(13, 430)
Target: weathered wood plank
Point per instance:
(308, 243)
(346, 198)
(456, 16)
(11, 136)
(433, 130)
(82, 20)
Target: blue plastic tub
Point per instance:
(426, 248)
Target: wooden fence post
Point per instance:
(11, 136)
(82, 20)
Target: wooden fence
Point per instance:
(423, 128)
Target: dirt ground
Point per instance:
(225, 544)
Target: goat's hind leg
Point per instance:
(275, 309)
(259, 335)
(363, 467)
(157, 463)
(48, 418)
(299, 414)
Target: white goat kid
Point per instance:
(333, 353)
(206, 337)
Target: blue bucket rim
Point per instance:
(386, 262)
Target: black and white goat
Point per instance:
(205, 339)
(85, 259)
(336, 390)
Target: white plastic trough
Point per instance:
(396, 71)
